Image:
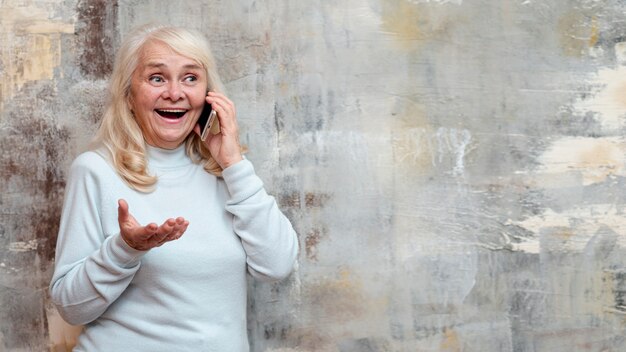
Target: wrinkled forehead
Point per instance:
(156, 52)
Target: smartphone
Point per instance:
(208, 122)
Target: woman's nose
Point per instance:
(172, 91)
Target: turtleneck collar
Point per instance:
(167, 158)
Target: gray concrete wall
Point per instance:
(455, 169)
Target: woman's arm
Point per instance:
(268, 238)
(92, 269)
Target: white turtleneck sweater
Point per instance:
(187, 295)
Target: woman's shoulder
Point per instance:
(91, 161)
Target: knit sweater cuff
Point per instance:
(123, 254)
(241, 181)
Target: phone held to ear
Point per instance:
(208, 122)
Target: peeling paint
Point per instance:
(594, 159)
(606, 99)
(23, 246)
(575, 227)
(97, 21)
(311, 243)
(445, 148)
(31, 47)
(306, 199)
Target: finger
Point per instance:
(129, 228)
(125, 218)
(220, 100)
(182, 227)
(164, 230)
(220, 96)
(122, 211)
(218, 104)
(228, 121)
(178, 231)
(138, 236)
(141, 233)
(169, 236)
(150, 229)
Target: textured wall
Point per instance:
(455, 169)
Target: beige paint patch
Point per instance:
(409, 21)
(577, 32)
(30, 47)
(595, 159)
(340, 297)
(63, 337)
(608, 98)
(450, 341)
(45, 57)
(344, 302)
(402, 18)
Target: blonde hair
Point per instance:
(119, 132)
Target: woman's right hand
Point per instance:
(147, 237)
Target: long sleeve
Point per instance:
(196, 285)
(93, 267)
(267, 236)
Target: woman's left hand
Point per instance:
(224, 146)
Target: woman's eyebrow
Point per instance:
(157, 64)
(193, 67)
(154, 64)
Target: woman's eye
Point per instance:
(191, 79)
(156, 79)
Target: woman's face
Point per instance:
(167, 94)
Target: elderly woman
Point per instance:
(160, 227)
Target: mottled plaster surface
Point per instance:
(454, 169)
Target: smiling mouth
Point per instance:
(171, 113)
